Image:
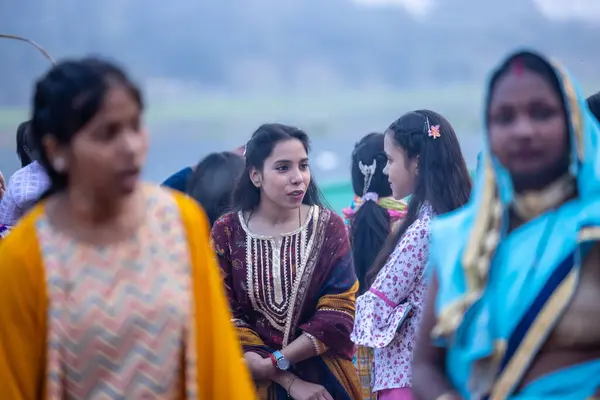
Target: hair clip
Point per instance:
(367, 171)
(370, 196)
(432, 131)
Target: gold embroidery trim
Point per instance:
(298, 277)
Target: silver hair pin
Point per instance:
(368, 171)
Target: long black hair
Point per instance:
(370, 226)
(443, 180)
(66, 99)
(246, 196)
(213, 181)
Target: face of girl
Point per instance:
(107, 154)
(400, 169)
(285, 176)
(527, 126)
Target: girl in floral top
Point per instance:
(423, 159)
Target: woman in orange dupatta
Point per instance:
(108, 287)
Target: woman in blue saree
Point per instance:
(515, 277)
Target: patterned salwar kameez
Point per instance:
(299, 283)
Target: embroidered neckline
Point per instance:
(253, 235)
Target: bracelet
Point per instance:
(290, 385)
(315, 343)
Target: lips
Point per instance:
(130, 172)
(296, 193)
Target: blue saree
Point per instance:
(500, 295)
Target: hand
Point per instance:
(261, 368)
(302, 390)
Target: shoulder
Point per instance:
(454, 225)
(166, 201)
(18, 176)
(189, 208)
(421, 227)
(333, 228)
(333, 221)
(227, 219)
(226, 222)
(449, 234)
(20, 251)
(178, 180)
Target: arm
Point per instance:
(22, 317)
(384, 308)
(429, 376)
(304, 347)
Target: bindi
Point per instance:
(517, 68)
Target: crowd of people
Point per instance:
(235, 280)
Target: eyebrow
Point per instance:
(284, 161)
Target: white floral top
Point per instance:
(383, 319)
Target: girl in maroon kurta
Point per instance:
(292, 294)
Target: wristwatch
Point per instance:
(279, 361)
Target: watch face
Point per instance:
(283, 364)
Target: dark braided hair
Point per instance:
(443, 180)
(66, 99)
(370, 226)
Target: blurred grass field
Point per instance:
(323, 112)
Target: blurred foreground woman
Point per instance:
(109, 287)
(516, 279)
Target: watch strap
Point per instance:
(273, 360)
(278, 355)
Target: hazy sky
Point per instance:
(587, 9)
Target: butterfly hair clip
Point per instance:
(432, 130)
